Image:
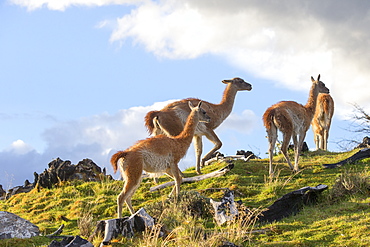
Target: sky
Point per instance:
(77, 77)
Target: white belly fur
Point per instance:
(154, 163)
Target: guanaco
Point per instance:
(155, 154)
(293, 120)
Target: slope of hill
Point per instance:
(341, 218)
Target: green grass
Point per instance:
(342, 217)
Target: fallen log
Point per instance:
(287, 205)
(239, 157)
(57, 233)
(291, 203)
(214, 174)
(70, 241)
(360, 155)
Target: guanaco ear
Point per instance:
(190, 105)
(226, 81)
(318, 79)
(199, 104)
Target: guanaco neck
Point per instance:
(226, 105)
(312, 99)
(191, 123)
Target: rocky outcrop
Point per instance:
(2, 193)
(13, 226)
(27, 187)
(59, 171)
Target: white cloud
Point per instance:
(99, 134)
(250, 36)
(20, 147)
(97, 137)
(15, 168)
(173, 29)
(244, 123)
(286, 41)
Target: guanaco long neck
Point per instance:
(311, 102)
(191, 123)
(226, 105)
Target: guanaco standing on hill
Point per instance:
(155, 155)
(173, 116)
(293, 120)
(321, 121)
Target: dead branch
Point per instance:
(214, 174)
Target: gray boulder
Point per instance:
(126, 226)
(13, 226)
(71, 241)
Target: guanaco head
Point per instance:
(239, 84)
(320, 85)
(203, 117)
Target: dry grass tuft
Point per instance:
(350, 183)
(86, 223)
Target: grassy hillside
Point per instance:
(342, 218)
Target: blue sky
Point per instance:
(77, 77)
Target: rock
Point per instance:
(226, 210)
(217, 154)
(71, 241)
(2, 193)
(87, 170)
(59, 170)
(291, 203)
(27, 187)
(304, 147)
(247, 154)
(13, 226)
(228, 244)
(287, 205)
(126, 226)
